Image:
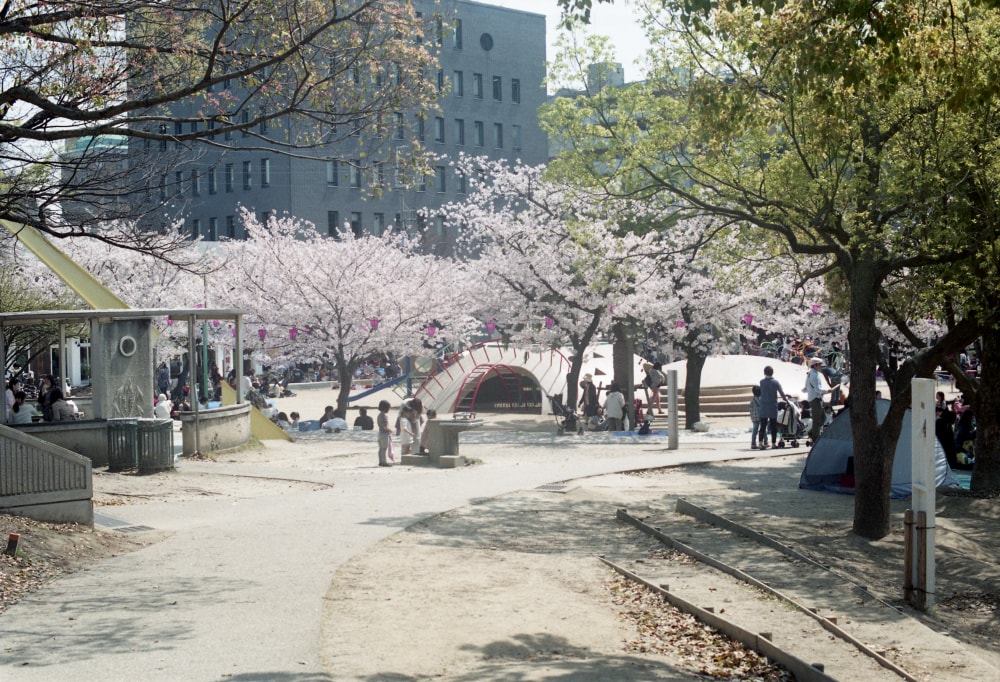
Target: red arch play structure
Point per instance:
(465, 400)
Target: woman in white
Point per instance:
(163, 407)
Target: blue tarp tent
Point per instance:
(827, 466)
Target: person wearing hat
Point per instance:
(815, 389)
(588, 401)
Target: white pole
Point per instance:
(924, 479)
(671, 409)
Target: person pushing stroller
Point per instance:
(770, 389)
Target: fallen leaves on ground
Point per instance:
(662, 629)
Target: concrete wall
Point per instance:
(88, 438)
(121, 353)
(44, 481)
(222, 428)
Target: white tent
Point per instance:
(830, 464)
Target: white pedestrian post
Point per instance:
(920, 545)
(671, 409)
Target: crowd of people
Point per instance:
(53, 403)
(955, 428)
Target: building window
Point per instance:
(195, 228)
(515, 137)
(163, 139)
(420, 37)
(179, 182)
(479, 134)
(163, 188)
(380, 174)
(213, 230)
(231, 226)
(245, 122)
(439, 179)
(178, 131)
(439, 226)
(460, 131)
(356, 227)
(378, 224)
(228, 177)
(211, 128)
(194, 127)
(195, 183)
(460, 185)
(515, 90)
(497, 89)
(263, 124)
(459, 83)
(477, 85)
(440, 80)
(456, 34)
(400, 125)
(439, 30)
(213, 186)
(355, 172)
(420, 128)
(332, 223)
(332, 172)
(265, 172)
(422, 186)
(498, 135)
(439, 128)
(247, 174)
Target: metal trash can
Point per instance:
(123, 446)
(155, 445)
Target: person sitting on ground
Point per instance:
(363, 421)
(336, 423)
(61, 410)
(597, 422)
(293, 420)
(21, 412)
(614, 407)
(163, 407)
(282, 420)
(328, 414)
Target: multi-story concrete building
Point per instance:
(492, 66)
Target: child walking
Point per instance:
(755, 415)
(384, 434)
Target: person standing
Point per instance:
(614, 407)
(816, 388)
(384, 433)
(588, 401)
(770, 389)
(45, 397)
(754, 416)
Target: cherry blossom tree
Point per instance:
(553, 268)
(344, 299)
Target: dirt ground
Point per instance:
(542, 572)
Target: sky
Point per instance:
(616, 21)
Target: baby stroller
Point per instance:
(790, 425)
(567, 420)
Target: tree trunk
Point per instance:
(873, 453)
(623, 354)
(692, 387)
(345, 375)
(986, 470)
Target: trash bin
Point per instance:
(122, 444)
(155, 445)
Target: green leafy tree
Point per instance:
(839, 129)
